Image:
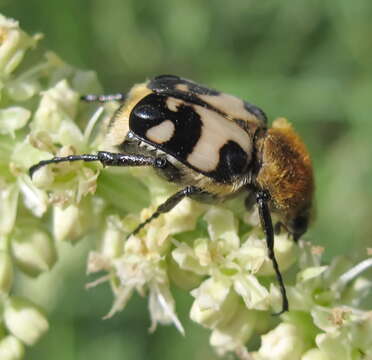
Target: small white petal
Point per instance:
(8, 208)
(162, 307)
(6, 272)
(214, 303)
(222, 226)
(35, 199)
(310, 273)
(22, 88)
(252, 255)
(253, 293)
(186, 259)
(183, 217)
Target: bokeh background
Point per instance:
(310, 61)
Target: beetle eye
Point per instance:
(300, 222)
(147, 112)
(299, 226)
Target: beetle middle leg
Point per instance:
(168, 205)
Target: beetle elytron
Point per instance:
(213, 145)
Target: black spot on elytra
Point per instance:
(147, 112)
(152, 110)
(234, 161)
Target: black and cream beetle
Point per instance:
(213, 145)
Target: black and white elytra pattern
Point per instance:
(197, 136)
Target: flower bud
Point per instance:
(67, 223)
(236, 332)
(6, 273)
(57, 108)
(33, 250)
(112, 244)
(12, 119)
(8, 208)
(214, 303)
(14, 43)
(282, 343)
(24, 320)
(11, 348)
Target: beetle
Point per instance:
(214, 146)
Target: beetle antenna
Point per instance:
(103, 98)
(262, 199)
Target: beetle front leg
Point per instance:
(262, 199)
(106, 159)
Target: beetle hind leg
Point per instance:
(262, 199)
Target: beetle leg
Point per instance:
(103, 98)
(106, 159)
(262, 199)
(168, 205)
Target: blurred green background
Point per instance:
(310, 61)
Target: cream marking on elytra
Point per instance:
(232, 106)
(173, 103)
(119, 125)
(216, 132)
(182, 87)
(161, 133)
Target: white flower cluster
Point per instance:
(37, 120)
(216, 253)
(324, 322)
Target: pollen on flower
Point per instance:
(97, 262)
(338, 315)
(317, 250)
